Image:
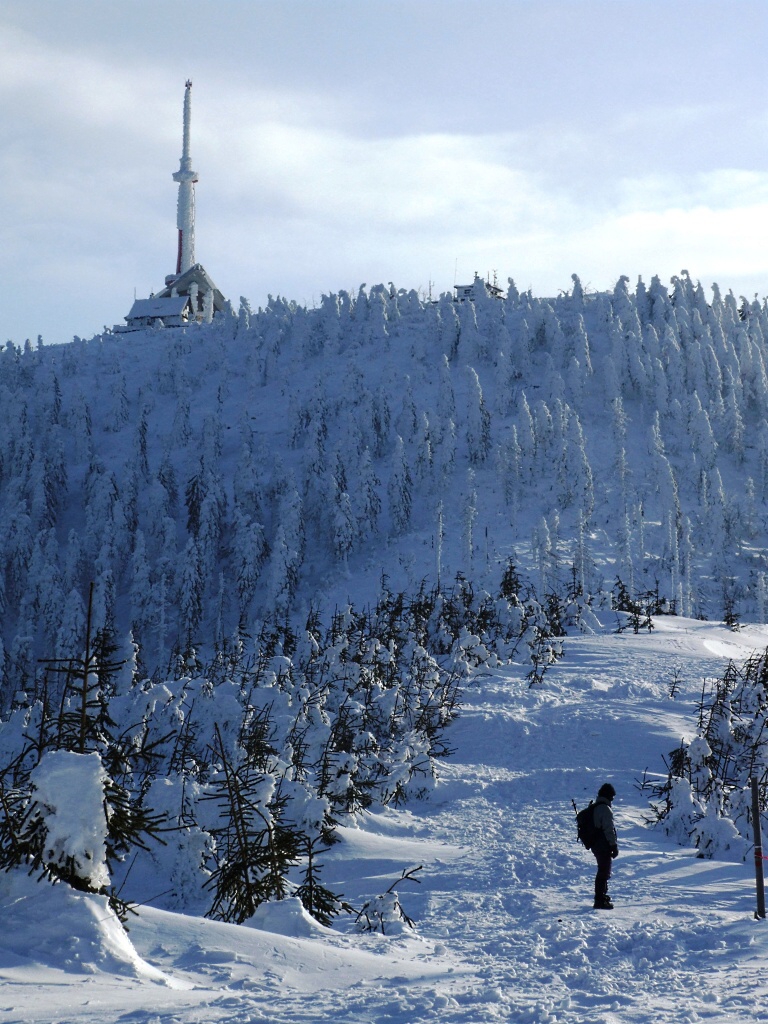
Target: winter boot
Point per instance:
(603, 903)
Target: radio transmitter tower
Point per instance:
(187, 178)
(189, 295)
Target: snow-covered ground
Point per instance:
(504, 925)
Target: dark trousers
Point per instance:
(604, 862)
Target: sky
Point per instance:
(349, 142)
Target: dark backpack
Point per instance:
(585, 825)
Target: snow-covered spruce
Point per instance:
(706, 799)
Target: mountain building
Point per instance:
(470, 292)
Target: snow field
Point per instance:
(505, 930)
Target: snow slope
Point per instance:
(504, 926)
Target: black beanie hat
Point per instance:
(607, 791)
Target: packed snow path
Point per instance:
(522, 912)
(505, 926)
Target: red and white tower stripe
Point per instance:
(186, 177)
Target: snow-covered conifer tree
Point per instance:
(468, 518)
(287, 553)
(407, 422)
(702, 439)
(190, 595)
(400, 489)
(541, 545)
(733, 422)
(478, 430)
(369, 501)
(424, 449)
(250, 553)
(344, 527)
(526, 433)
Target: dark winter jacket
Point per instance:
(605, 838)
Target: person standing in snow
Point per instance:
(604, 847)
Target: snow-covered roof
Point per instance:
(197, 274)
(158, 306)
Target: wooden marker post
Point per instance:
(759, 882)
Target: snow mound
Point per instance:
(55, 926)
(286, 917)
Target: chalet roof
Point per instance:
(159, 305)
(197, 274)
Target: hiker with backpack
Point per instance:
(597, 832)
(604, 845)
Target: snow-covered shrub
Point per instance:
(705, 800)
(384, 913)
(65, 825)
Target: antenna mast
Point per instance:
(186, 177)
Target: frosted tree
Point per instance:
(250, 555)
(181, 432)
(439, 539)
(762, 457)
(344, 527)
(44, 495)
(287, 552)
(81, 429)
(445, 452)
(478, 429)
(141, 450)
(369, 500)
(577, 293)
(101, 494)
(190, 595)
(472, 345)
(716, 517)
(468, 519)
(582, 471)
(407, 422)
(424, 449)
(212, 518)
(659, 387)
(50, 588)
(140, 592)
(701, 437)
(382, 417)
(400, 489)
(70, 638)
(283, 573)
(450, 328)
(18, 545)
(509, 462)
(733, 422)
(243, 318)
(73, 564)
(541, 545)
(761, 597)
(526, 434)
(506, 380)
(446, 400)
(750, 509)
(166, 476)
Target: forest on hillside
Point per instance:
(210, 478)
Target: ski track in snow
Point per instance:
(505, 926)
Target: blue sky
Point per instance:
(341, 143)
